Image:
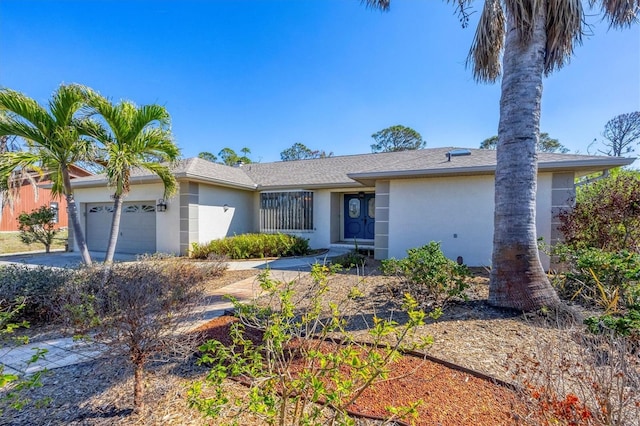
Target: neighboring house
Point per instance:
(29, 198)
(388, 202)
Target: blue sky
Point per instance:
(327, 73)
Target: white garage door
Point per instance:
(137, 227)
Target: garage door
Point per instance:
(137, 227)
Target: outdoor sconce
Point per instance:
(161, 206)
(361, 195)
(225, 207)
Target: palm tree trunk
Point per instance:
(517, 278)
(73, 216)
(115, 228)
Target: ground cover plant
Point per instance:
(248, 246)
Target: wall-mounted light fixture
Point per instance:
(161, 206)
(225, 207)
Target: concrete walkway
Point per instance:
(67, 351)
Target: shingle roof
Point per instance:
(357, 170)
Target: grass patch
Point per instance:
(10, 243)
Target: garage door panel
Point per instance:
(137, 232)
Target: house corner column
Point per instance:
(381, 239)
(189, 229)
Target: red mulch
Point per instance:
(450, 397)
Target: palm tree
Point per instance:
(55, 139)
(135, 137)
(523, 40)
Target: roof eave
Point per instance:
(369, 178)
(594, 164)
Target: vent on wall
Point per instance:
(457, 153)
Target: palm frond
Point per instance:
(564, 29)
(148, 115)
(20, 108)
(164, 173)
(21, 129)
(66, 102)
(619, 13)
(524, 13)
(488, 43)
(382, 5)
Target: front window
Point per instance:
(286, 211)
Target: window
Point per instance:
(286, 211)
(54, 209)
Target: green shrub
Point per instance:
(627, 324)
(39, 286)
(352, 259)
(610, 280)
(429, 275)
(250, 246)
(38, 226)
(606, 214)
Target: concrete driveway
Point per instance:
(59, 259)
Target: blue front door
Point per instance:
(359, 216)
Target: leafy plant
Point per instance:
(606, 215)
(38, 226)
(352, 259)
(248, 246)
(627, 324)
(40, 287)
(15, 385)
(610, 280)
(291, 369)
(428, 274)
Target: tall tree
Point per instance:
(545, 144)
(523, 40)
(229, 157)
(622, 133)
(208, 156)
(134, 137)
(55, 140)
(397, 138)
(299, 151)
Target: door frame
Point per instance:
(362, 195)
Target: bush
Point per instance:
(429, 275)
(40, 287)
(250, 246)
(38, 226)
(606, 214)
(291, 370)
(138, 309)
(627, 324)
(610, 280)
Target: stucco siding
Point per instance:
(457, 212)
(224, 212)
(544, 209)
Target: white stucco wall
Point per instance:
(167, 223)
(455, 211)
(224, 212)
